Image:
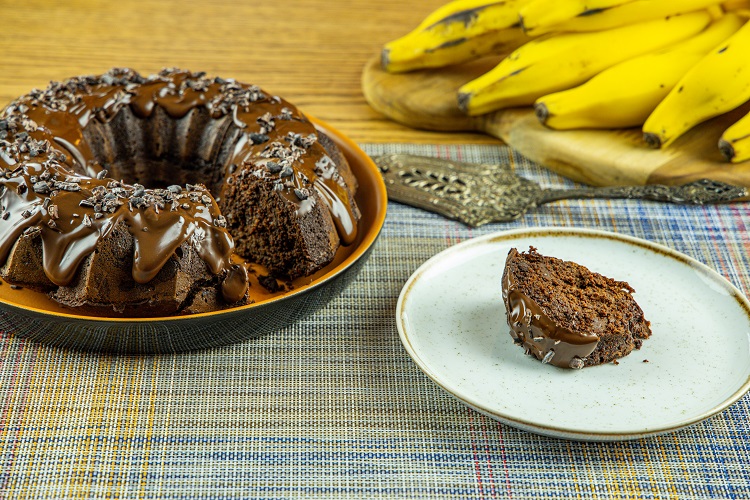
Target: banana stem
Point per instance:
(726, 149)
(463, 101)
(384, 58)
(541, 112)
(652, 140)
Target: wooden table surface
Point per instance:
(312, 52)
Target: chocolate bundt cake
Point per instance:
(148, 195)
(568, 316)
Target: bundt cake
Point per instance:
(148, 195)
(566, 315)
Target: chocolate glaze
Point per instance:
(51, 182)
(540, 336)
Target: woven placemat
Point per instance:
(333, 406)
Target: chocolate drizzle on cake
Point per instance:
(51, 183)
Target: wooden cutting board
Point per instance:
(427, 100)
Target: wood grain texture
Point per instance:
(310, 51)
(426, 99)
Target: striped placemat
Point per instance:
(332, 407)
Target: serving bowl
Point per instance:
(34, 316)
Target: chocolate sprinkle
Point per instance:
(286, 171)
(258, 138)
(273, 167)
(41, 187)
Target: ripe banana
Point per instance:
(735, 141)
(560, 62)
(459, 31)
(718, 83)
(543, 13)
(625, 94)
(634, 11)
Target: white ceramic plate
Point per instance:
(451, 320)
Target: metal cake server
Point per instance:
(479, 193)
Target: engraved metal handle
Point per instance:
(700, 192)
(479, 193)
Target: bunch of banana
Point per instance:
(560, 62)
(626, 94)
(462, 30)
(718, 83)
(457, 32)
(666, 65)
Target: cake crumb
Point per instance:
(269, 283)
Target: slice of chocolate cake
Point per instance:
(566, 315)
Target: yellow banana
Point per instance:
(718, 83)
(457, 10)
(544, 13)
(735, 141)
(635, 11)
(560, 62)
(459, 31)
(625, 94)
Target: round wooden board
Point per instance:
(427, 100)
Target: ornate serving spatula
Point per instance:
(478, 193)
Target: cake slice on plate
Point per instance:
(568, 316)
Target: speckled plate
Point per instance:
(34, 316)
(451, 320)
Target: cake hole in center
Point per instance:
(160, 151)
